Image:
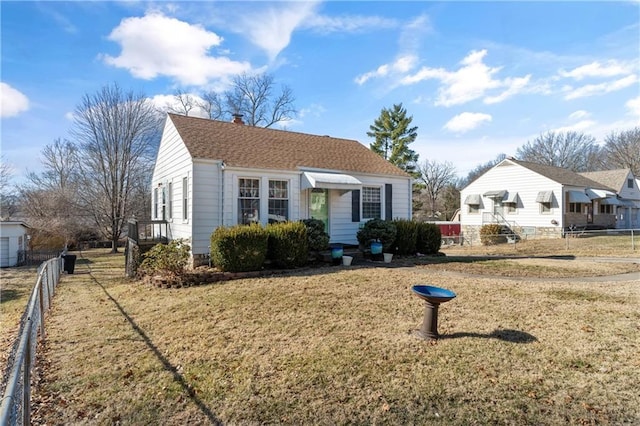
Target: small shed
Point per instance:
(13, 238)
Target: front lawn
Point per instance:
(334, 345)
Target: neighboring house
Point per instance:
(210, 173)
(13, 238)
(628, 190)
(535, 199)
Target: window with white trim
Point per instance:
(169, 200)
(371, 203)
(474, 209)
(248, 201)
(185, 198)
(510, 207)
(545, 207)
(278, 201)
(155, 203)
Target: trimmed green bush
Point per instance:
(429, 238)
(167, 259)
(406, 236)
(239, 248)
(491, 234)
(378, 229)
(317, 238)
(288, 246)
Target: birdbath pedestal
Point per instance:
(433, 297)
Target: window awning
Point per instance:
(611, 201)
(511, 197)
(472, 200)
(544, 197)
(495, 194)
(330, 181)
(599, 193)
(579, 197)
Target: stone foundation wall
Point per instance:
(471, 233)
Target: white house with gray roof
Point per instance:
(627, 186)
(535, 200)
(211, 173)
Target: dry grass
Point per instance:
(15, 288)
(334, 346)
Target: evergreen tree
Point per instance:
(393, 136)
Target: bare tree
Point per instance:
(253, 97)
(212, 104)
(49, 198)
(436, 177)
(8, 199)
(115, 133)
(184, 103)
(570, 150)
(622, 150)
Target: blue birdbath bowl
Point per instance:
(433, 297)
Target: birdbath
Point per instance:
(433, 297)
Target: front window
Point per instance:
(474, 208)
(371, 205)
(278, 201)
(248, 201)
(545, 207)
(510, 207)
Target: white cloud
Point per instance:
(314, 110)
(466, 121)
(401, 65)
(514, 86)
(271, 27)
(471, 81)
(331, 24)
(158, 45)
(600, 89)
(611, 68)
(167, 102)
(580, 126)
(13, 102)
(577, 115)
(633, 105)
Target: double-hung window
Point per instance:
(248, 201)
(606, 209)
(185, 198)
(575, 208)
(169, 201)
(371, 204)
(278, 201)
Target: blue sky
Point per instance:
(479, 78)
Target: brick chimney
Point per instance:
(237, 118)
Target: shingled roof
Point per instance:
(615, 179)
(255, 147)
(560, 175)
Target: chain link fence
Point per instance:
(15, 407)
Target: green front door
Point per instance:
(319, 206)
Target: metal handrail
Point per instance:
(17, 395)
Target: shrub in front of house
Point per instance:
(317, 238)
(429, 238)
(378, 230)
(406, 236)
(169, 260)
(288, 246)
(491, 234)
(239, 248)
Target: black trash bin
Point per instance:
(69, 263)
